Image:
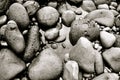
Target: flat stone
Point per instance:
(71, 71)
(107, 76)
(84, 54)
(111, 56)
(107, 39)
(10, 64)
(102, 16)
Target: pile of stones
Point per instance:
(59, 39)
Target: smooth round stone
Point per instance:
(97, 2)
(117, 21)
(78, 11)
(14, 37)
(4, 4)
(88, 5)
(115, 12)
(85, 28)
(18, 13)
(71, 71)
(107, 76)
(62, 8)
(11, 65)
(84, 54)
(68, 17)
(52, 34)
(31, 7)
(53, 4)
(112, 57)
(54, 46)
(75, 1)
(47, 16)
(3, 19)
(2, 32)
(47, 66)
(103, 6)
(101, 16)
(114, 4)
(107, 39)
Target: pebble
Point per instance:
(107, 39)
(88, 5)
(71, 71)
(78, 11)
(112, 57)
(62, 8)
(103, 6)
(102, 16)
(117, 21)
(31, 7)
(99, 66)
(84, 54)
(3, 19)
(53, 4)
(2, 32)
(47, 16)
(51, 34)
(66, 57)
(115, 12)
(54, 46)
(97, 2)
(4, 4)
(85, 28)
(118, 8)
(46, 66)
(107, 76)
(10, 64)
(114, 4)
(18, 13)
(14, 37)
(68, 17)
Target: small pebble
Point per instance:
(53, 4)
(3, 19)
(103, 6)
(54, 46)
(107, 39)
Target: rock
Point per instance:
(71, 71)
(41, 68)
(85, 28)
(118, 8)
(99, 66)
(2, 32)
(32, 43)
(97, 2)
(53, 4)
(52, 34)
(112, 57)
(10, 64)
(101, 16)
(31, 7)
(103, 6)
(47, 16)
(4, 4)
(88, 5)
(54, 46)
(14, 37)
(76, 1)
(84, 54)
(114, 4)
(62, 7)
(117, 21)
(115, 12)
(107, 76)
(117, 42)
(107, 39)
(18, 13)
(78, 11)
(3, 19)
(68, 17)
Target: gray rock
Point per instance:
(102, 16)
(107, 76)
(18, 13)
(84, 54)
(112, 57)
(10, 64)
(46, 66)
